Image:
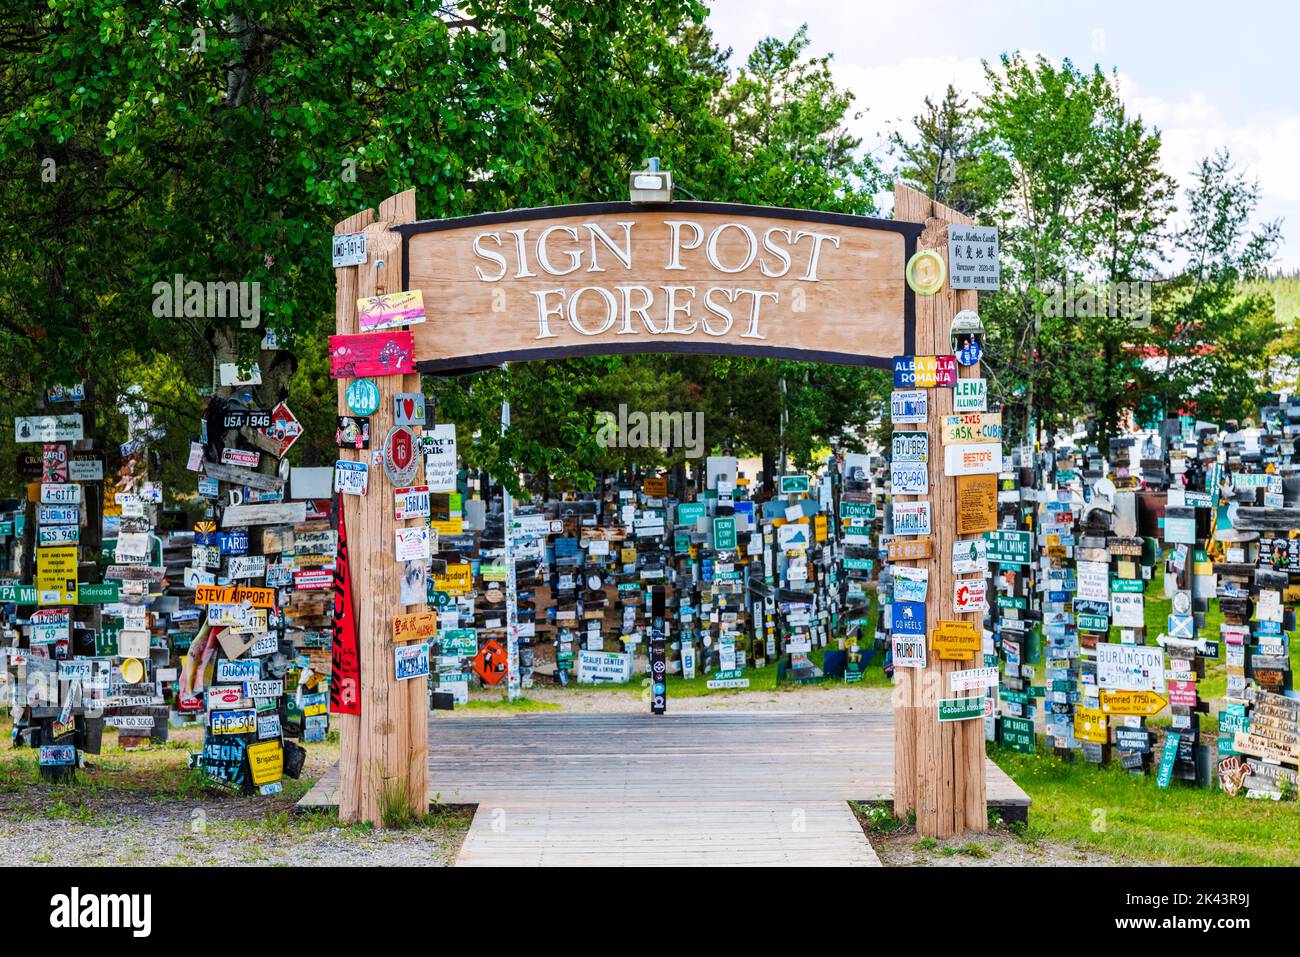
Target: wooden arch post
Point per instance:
(384, 751)
(938, 767)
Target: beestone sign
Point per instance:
(687, 277)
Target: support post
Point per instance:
(384, 751)
(938, 767)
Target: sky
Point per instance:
(1208, 75)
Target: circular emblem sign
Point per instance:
(400, 460)
(362, 397)
(967, 337)
(925, 272)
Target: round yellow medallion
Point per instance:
(926, 272)
(133, 671)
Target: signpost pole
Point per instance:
(512, 587)
(938, 766)
(384, 751)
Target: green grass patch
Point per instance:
(760, 679)
(505, 704)
(1107, 809)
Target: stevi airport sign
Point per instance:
(621, 278)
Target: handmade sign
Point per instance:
(977, 504)
(388, 311)
(362, 397)
(408, 408)
(624, 278)
(371, 353)
(352, 431)
(420, 626)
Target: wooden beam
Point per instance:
(938, 767)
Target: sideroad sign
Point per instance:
(619, 278)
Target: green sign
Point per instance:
(961, 709)
(106, 638)
(18, 594)
(859, 564)
(794, 484)
(1013, 601)
(104, 593)
(1009, 548)
(1127, 586)
(1094, 622)
(1167, 758)
(461, 642)
(862, 510)
(681, 544)
(1017, 734)
(724, 533)
(442, 599)
(688, 513)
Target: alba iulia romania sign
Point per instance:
(691, 277)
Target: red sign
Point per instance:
(345, 659)
(391, 352)
(945, 371)
(1182, 693)
(54, 463)
(313, 579)
(400, 461)
(490, 662)
(283, 430)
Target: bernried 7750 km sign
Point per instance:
(697, 278)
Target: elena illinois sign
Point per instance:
(620, 278)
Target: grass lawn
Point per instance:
(760, 679)
(1108, 810)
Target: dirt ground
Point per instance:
(1000, 847)
(144, 808)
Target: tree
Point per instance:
(1079, 196)
(1214, 337)
(943, 158)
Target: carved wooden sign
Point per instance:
(618, 278)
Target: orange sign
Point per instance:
(1131, 702)
(419, 626)
(234, 595)
(655, 487)
(977, 504)
(490, 662)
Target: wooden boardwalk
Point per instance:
(716, 788)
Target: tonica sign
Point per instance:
(691, 277)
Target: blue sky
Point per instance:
(1207, 74)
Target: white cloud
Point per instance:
(891, 80)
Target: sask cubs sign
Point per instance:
(690, 277)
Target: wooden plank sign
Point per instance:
(907, 550)
(274, 513)
(391, 310)
(240, 476)
(391, 352)
(619, 277)
(972, 428)
(420, 626)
